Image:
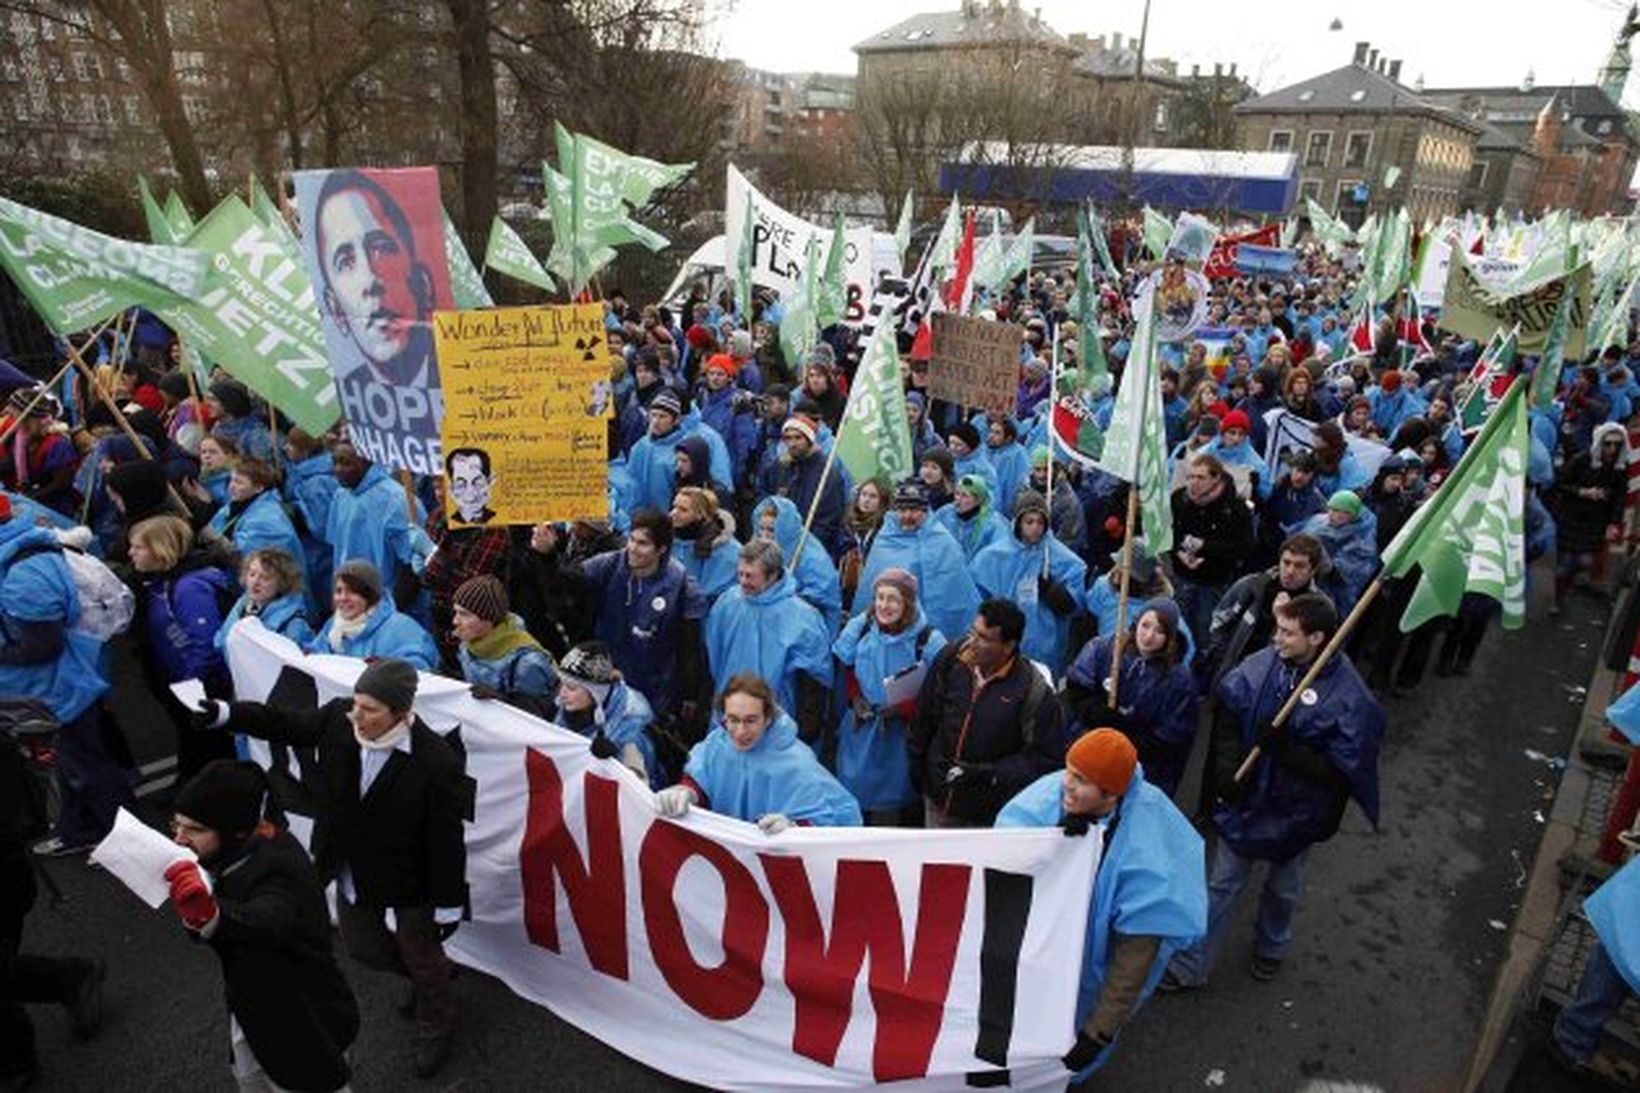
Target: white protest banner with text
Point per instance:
(821, 958)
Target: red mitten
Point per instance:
(189, 895)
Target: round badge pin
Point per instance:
(1309, 697)
(658, 603)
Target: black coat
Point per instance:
(404, 840)
(1225, 528)
(1581, 521)
(283, 984)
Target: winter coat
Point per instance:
(777, 774)
(774, 634)
(284, 987)
(287, 616)
(799, 480)
(1224, 529)
(1243, 455)
(512, 662)
(1353, 551)
(1244, 619)
(370, 523)
(1151, 880)
(643, 621)
(653, 462)
(1011, 729)
(1582, 521)
(1011, 569)
(389, 633)
(974, 532)
(624, 718)
(945, 588)
(738, 428)
(180, 612)
(249, 434)
(1297, 796)
(816, 575)
(36, 589)
(871, 756)
(1157, 705)
(711, 562)
(978, 464)
(1013, 466)
(261, 524)
(310, 485)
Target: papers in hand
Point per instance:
(189, 692)
(138, 856)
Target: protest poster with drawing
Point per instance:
(374, 248)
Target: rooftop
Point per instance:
(1353, 89)
(974, 24)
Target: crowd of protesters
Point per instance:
(761, 636)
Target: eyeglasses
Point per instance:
(755, 721)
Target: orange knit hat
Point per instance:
(1106, 758)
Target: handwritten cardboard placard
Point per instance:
(974, 363)
(527, 398)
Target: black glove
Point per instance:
(1055, 595)
(1072, 825)
(604, 748)
(445, 929)
(485, 693)
(206, 714)
(1272, 739)
(1084, 1051)
(964, 775)
(1234, 792)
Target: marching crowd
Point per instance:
(758, 635)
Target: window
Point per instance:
(88, 106)
(133, 109)
(105, 110)
(48, 29)
(1357, 147)
(1318, 149)
(54, 65)
(194, 107)
(123, 69)
(82, 67)
(1346, 196)
(1603, 128)
(1310, 188)
(1281, 140)
(19, 107)
(1160, 122)
(1477, 175)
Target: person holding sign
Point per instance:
(1149, 895)
(291, 1013)
(1309, 767)
(752, 766)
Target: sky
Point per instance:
(1274, 42)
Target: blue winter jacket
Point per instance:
(286, 616)
(947, 591)
(978, 464)
(1152, 881)
(249, 434)
(389, 633)
(976, 532)
(738, 430)
(523, 670)
(872, 761)
(625, 718)
(39, 589)
(653, 462)
(1010, 568)
(1013, 466)
(641, 619)
(1242, 455)
(1614, 912)
(1153, 700)
(1286, 812)
(181, 619)
(310, 485)
(816, 575)
(777, 774)
(1390, 410)
(1353, 549)
(774, 633)
(713, 573)
(1105, 604)
(263, 524)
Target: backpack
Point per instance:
(27, 727)
(107, 606)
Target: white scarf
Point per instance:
(387, 741)
(342, 630)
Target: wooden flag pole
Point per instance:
(1053, 379)
(814, 506)
(1320, 662)
(125, 427)
(1122, 599)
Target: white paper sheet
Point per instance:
(138, 857)
(190, 692)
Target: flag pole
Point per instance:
(1320, 662)
(1120, 643)
(125, 425)
(814, 506)
(1053, 380)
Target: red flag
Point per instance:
(1478, 247)
(1361, 332)
(954, 297)
(1221, 262)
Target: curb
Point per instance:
(1563, 838)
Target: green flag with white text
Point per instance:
(466, 283)
(831, 295)
(76, 277)
(258, 317)
(798, 325)
(1471, 535)
(507, 253)
(1136, 442)
(874, 438)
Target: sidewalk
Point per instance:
(1550, 939)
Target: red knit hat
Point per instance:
(1236, 419)
(723, 361)
(698, 337)
(1106, 758)
(1390, 382)
(802, 423)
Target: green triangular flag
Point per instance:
(743, 268)
(507, 253)
(874, 439)
(831, 297)
(902, 230)
(944, 254)
(1136, 442)
(466, 283)
(798, 326)
(1157, 231)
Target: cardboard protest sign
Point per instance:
(975, 363)
(374, 247)
(527, 397)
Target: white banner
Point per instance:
(780, 240)
(720, 955)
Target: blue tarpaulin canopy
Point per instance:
(1165, 178)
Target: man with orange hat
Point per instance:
(1149, 890)
(729, 410)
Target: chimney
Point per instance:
(1360, 57)
(1218, 69)
(1232, 70)
(1372, 59)
(1395, 70)
(1195, 72)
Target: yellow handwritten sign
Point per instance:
(527, 398)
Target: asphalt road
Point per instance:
(1398, 935)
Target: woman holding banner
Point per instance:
(367, 624)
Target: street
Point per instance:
(1398, 934)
